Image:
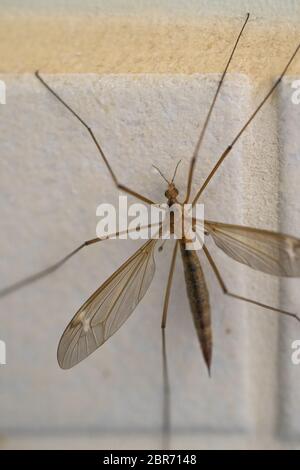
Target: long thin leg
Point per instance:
(239, 297)
(166, 383)
(115, 180)
(166, 405)
(169, 285)
(196, 151)
(230, 147)
(44, 272)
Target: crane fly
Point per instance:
(114, 301)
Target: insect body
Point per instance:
(196, 288)
(199, 300)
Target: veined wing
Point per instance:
(263, 250)
(108, 308)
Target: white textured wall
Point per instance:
(51, 181)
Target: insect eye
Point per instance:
(167, 193)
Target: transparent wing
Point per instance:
(108, 308)
(270, 252)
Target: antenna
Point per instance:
(175, 171)
(158, 170)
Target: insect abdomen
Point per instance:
(199, 300)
